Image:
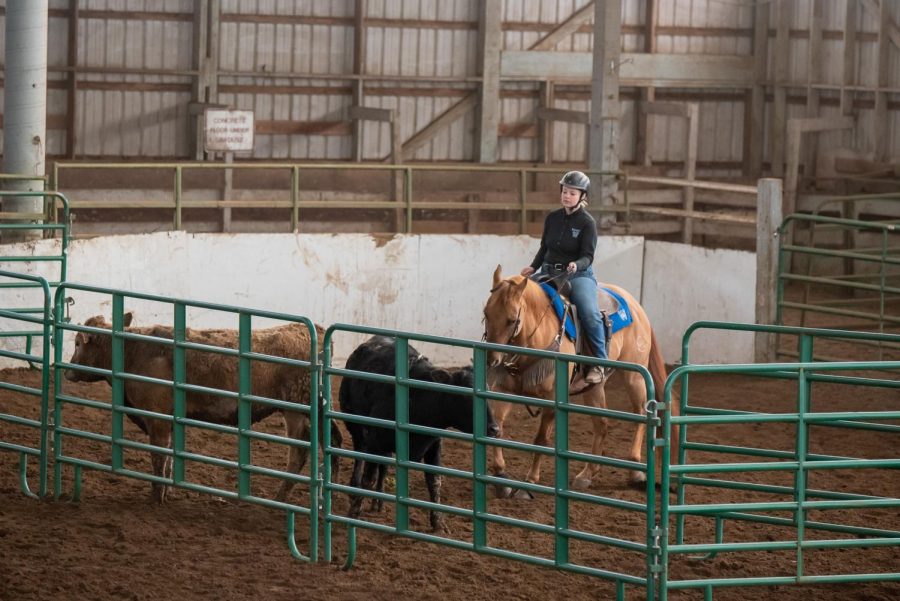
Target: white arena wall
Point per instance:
(434, 284)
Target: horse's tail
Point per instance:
(657, 368)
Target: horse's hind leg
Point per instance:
(296, 426)
(595, 397)
(637, 394)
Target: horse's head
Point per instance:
(503, 312)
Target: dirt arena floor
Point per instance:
(117, 544)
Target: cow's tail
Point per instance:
(657, 367)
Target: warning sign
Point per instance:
(229, 131)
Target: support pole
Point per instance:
(25, 106)
(768, 220)
(490, 37)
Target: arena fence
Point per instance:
(244, 356)
(848, 275)
(479, 515)
(663, 534)
(802, 502)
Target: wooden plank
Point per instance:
(768, 220)
(288, 127)
(635, 69)
(369, 113)
(671, 109)
(453, 113)
(490, 41)
(797, 127)
(566, 28)
(568, 116)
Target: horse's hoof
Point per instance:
(503, 492)
(523, 494)
(581, 483)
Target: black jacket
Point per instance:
(567, 238)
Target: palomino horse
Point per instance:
(518, 313)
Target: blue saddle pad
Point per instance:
(559, 308)
(621, 318)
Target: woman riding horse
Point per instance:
(567, 247)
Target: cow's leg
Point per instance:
(433, 483)
(368, 481)
(595, 397)
(376, 505)
(355, 482)
(296, 426)
(500, 409)
(160, 436)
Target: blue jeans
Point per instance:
(584, 297)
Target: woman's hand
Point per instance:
(527, 271)
(571, 267)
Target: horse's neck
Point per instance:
(542, 325)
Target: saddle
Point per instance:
(559, 291)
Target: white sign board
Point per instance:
(229, 131)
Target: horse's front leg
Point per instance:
(542, 438)
(595, 397)
(500, 409)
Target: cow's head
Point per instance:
(93, 350)
(463, 411)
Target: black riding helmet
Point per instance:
(577, 180)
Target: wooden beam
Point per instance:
(885, 28)
(644, 126)
(849, 71)
(768, 220)
(603, 131)
(368, 113)
(490, 41)
(453, 113)
(779, 109)
(671, 109)
(545, 127)
(583, 117)
(795, 129)
(755, 121)
(72, 91)
(566, 28)
(814, 76)
(690, 167)
(634, 69)
(359, 68)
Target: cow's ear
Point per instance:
(441, 376)
(497, 276)
(128, 317)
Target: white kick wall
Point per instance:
(434, 284)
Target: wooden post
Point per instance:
(397, 174)
(72, 92)
(768, 220)
(814, 76)
(490, 38)
(227, 192)
(779, 109)
(690, 168)
(849, 74)
(642, 154)
(359, 66)
(883, 69)
(754, 124)
(545, 126)
(603, 139)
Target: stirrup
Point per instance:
(596, 375)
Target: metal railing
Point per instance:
(863, 281)
(801, 461)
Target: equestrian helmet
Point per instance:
(577, 180)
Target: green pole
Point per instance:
(479, 450)
(244, 405)
(179, 376)
(401, 398)
(561, 484)
(118, 384)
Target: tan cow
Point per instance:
(210, 370)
